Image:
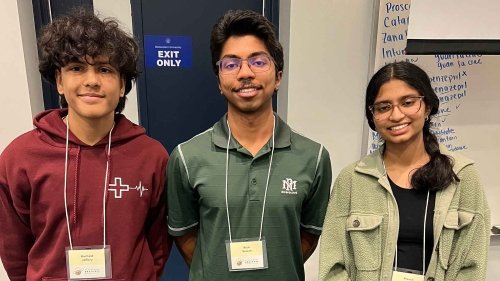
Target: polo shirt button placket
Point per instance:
(254, 181)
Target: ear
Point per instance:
(279, 76)
(59, 83)
(218, 84)
(122, 87)
(428, 111)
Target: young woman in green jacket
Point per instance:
(411, 210)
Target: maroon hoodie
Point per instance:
(33, 229)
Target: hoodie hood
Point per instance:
(52, 129)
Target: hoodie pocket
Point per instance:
(454, 223)
(366, 239)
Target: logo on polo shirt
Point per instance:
(289, 186)
(117, 187)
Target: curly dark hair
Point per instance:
(240, 23)
(438, 173)
(80, 34)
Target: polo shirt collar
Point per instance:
(282, 137)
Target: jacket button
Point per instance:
(430, 279)
(355, 223)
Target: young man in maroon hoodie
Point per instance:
(82, 194)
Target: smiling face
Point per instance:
(396, 127)
(248, 92)
(92, 87)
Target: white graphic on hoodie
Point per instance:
(118, 188)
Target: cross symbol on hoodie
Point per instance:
(118, 187)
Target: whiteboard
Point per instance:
(468, 87)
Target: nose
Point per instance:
(92, 78)
(245, 71)
(396, 113)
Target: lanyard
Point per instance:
(105, 186)
(267, 181)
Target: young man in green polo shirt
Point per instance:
(247, 197)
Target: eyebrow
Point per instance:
(251, 55)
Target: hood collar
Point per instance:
(52, 129)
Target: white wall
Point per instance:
(21, 96)
(328, 54)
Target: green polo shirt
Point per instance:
(297, 197)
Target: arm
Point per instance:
(186, 244)
(16, 237)
(473, 241)
(182, 207)
(309, 242)
(314, 207)
(156, 227)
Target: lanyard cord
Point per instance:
(267, 181)
(425, 225)
(105, 186)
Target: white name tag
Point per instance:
(88, 262)
(246, 254)
(404, 276)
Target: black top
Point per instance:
(411, 205)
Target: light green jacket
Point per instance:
(361, 227)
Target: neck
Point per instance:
(251, 131)
(402, 160)
(406, 154)
(90, 131)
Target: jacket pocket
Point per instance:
(366, 239)
(454, 223)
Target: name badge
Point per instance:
(88, 262)
(405, 276)
(246, 254)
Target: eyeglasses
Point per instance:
(258, 63)
(408, 106)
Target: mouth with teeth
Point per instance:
(398, 128)
(247, 91)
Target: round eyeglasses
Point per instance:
(258, 63)
(407, 106)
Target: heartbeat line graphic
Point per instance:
(141, 188)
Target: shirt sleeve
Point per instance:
(183, 207)
(16, 237)
(314, 208)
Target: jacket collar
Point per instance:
(373, 165)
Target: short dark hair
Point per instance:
(240, 23)
(438, 173)
(81, 33)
